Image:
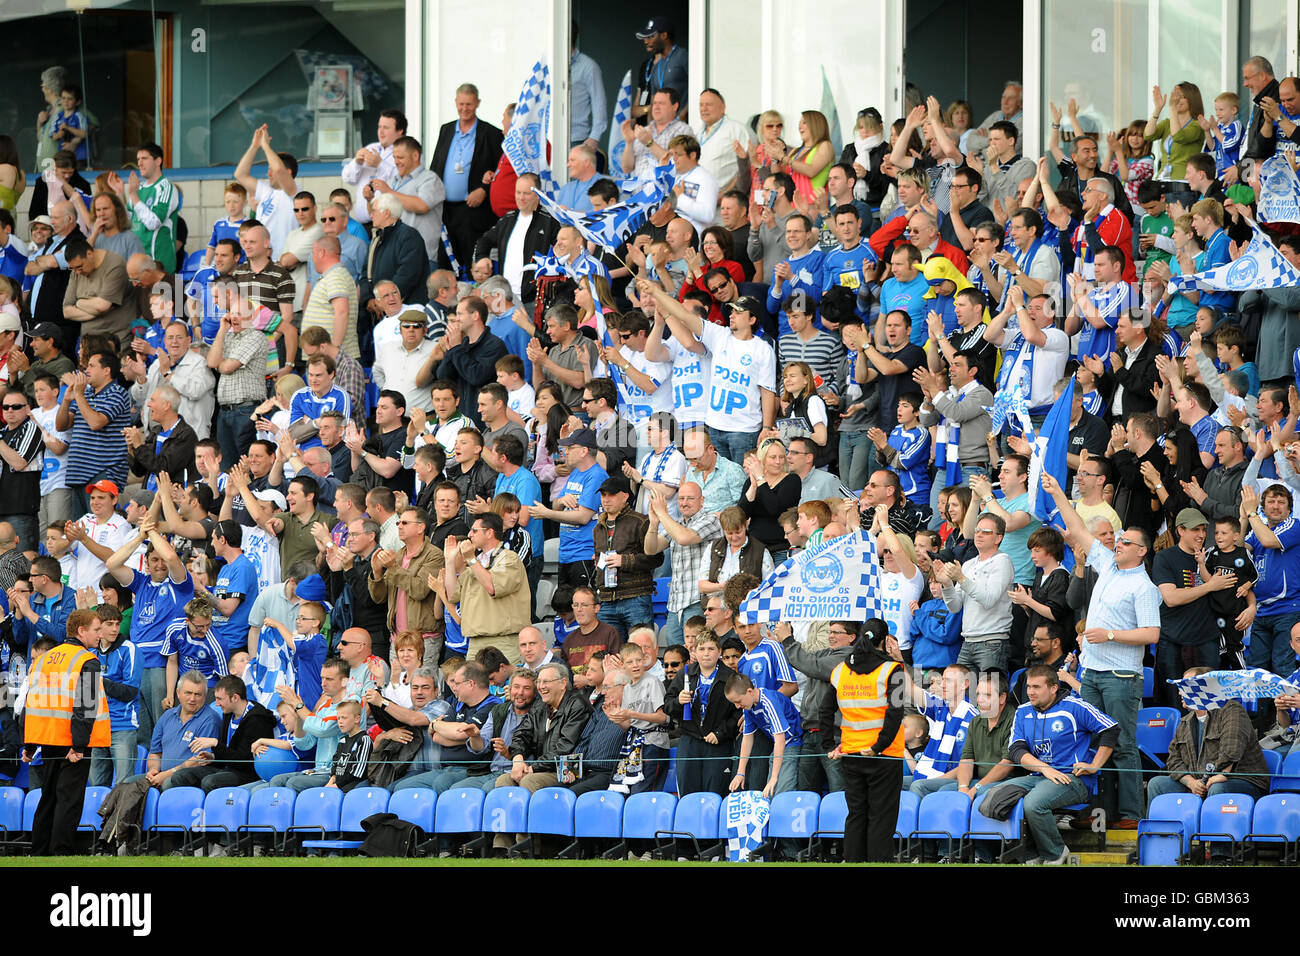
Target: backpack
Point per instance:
(388, 835)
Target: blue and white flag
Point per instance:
(1011, 404)
(745, 819)
(548, 265)
(613, 225)
(622, 113)
(1211, 691)
(1050, 447)
(836, 581)
(1279, 190)
(525, 143)
(585, 265)
(1260, 266)
(272, 667)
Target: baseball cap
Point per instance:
(104, 485)
(582, 436)
(43, 221)
(142, 497)
(46, 330)
(747, 303)
(1190, 518)
(615, 484)
(655, 26)
(273, 496)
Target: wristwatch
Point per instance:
(1110, 635)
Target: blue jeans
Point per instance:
(674, 625)
(787, 777)
(153, 688)
(1270, 643)
(1042, 798)
(627, 613)
(234, 432)
(440, 781)
(987, 655)
(924, 786)
(117, 758)
(733, 445)
(1167, 784)
(855, 459)
(1118, 695)
(486, 782)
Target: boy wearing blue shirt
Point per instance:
(777, 717)
(236, 203)
(906, 451)
(121, 675)
(307, 645)
(1225, 137)
(575, 508)
(1052, 739)
(235, 588)
(70, 127)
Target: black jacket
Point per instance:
(473, 365)
(487, 153)
(1137, 381)
(720, 715)
(176, 457)
(366, 614)
(237, 756)
(1257, 147)
(1134, 501)
(399, 255)
(543, 736)
(1070, 182)
(818, 666)
(539, 239)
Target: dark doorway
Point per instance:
(963, 49)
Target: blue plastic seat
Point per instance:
(505, 810)
(1015, 677)
(460, 810)
(356, 805)
(599, 814)
(1289, 778)
(1277, 820)
(1165, 833)
(793, 815)
(1226, 818)
(11, 814)
(270, 811)
(1008, 832)
(179, 810)
(317, 811)
(193, 263)
(1272, 760)
(226, 809)
(141, 758)
(90, 818)
(645, 814)
(1148, 683)
(1155, 729)
(944, 814)
(909, 805)
(831, 814)
(551, 811)
(670, 781)
(417, 805)
(29, 809)
(696, 819)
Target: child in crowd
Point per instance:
(645, 749)
(733, 649)
(813, 518)
(916, 734)
(236, 203)
(1224, 137)
(692, 628)
(1228, 342)
(70, 125)
(520, 396)
(935, 632)
(60, 548)
(516, 537)
(1229, 556)
(307, 646)
(562, 605)
(349, 767)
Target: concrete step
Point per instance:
(1099, 858)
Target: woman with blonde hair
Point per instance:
(408, 654)
(770, 491)
(803, 412)
(766, 153)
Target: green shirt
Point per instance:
(153, 219)
(988, 746)
(296, 542)
(1161, 225)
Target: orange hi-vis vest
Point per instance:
(863, 700)
(52, 693)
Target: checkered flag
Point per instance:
(1213, 690)
(1008, 404)
(837, 580)
(746, 813)
(613, 225)
(525, 144)
(1260, 266)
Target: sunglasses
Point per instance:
(302, 208)
(12, 408)
(413, 325)
(716, 289)
(329, 218)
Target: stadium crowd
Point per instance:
(425, 513)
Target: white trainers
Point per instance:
(1061, 860)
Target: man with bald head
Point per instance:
(365, 670)
(517, 237)
(146, 273)
(50, 267)
(533, 652)
(688, 538)
(13, 563)
(266, 283)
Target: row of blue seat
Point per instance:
(1233, 822)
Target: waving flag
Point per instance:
(837, 581)
(831, 113)
(611, 226)
(622, 113)
(1260, 266)
(1008, 404)
(1279, 190)
(586, 265)
(1211, 691)
(548, 265)
(1050, 448)
(525, 143)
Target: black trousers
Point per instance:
(54, 831)
(871, 789)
